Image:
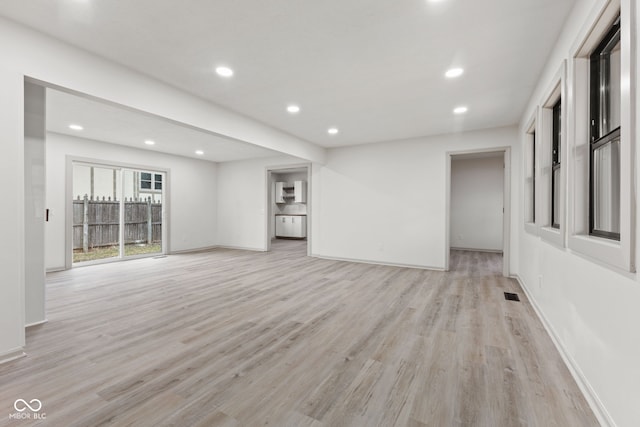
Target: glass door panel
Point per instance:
(142, 212)
(96, 213)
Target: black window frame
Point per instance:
(533, 177)
(596, 141)
(556, 163)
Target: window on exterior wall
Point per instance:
(533, 177)
(552, 155)
(530, 176)
(602, 147)
(150, 182)
(556, 164)
(605, 107)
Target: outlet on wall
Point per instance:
(540, 281)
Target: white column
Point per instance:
(11, 214)
(34, 198)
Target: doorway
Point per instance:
(288, 208)
(478, 207)
(117, 212)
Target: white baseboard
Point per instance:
(188, 251)
(55, 269)
(598, 408)
(242, 248)
(41, 322)
(388, 264)
(12, 355)
(210, 248)
(493, 251)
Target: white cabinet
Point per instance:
(300, 192)
(291, 226)
(280, 192)
(285, 193)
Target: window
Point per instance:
(530, 170)
(604, 109)
(150, 182)
(533, 177)
(551, 155)
(556, 164)
(602, 143)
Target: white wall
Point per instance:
(242, 201)
(386, 202)
(12, 317)
(380, 202)
(34, 209)
(191, 186)
(477, 187)
(590, 309)
(26, 52)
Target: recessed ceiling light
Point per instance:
(224, 71)
(76, 127)
(199, 152)
(293, 109)
(460, 110)
(453, 73)
(150, 142)
(332, 131)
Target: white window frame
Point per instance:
(617, 254)
(531, 166)
(557, 90)
(153, 182)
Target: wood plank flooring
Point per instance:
(236, 338)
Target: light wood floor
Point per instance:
(235, 338)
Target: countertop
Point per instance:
(291, 215)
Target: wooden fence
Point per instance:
(96, 223)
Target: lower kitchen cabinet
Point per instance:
(294, 226)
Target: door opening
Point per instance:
(288, 209)
(478, 209)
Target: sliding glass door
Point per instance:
(142, 212)
(117, 212)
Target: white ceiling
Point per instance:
(372, 68)
(114, 124)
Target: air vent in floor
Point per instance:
(511, 297)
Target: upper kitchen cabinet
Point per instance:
(300, 192)
(280, 192)
(287, 194)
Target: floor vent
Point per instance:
(511, 297)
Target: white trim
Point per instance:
(598, 408)
(240, 248)
(492, 251)
(12, 355)
(387, 264)
(188, 251)
(38, 323)
(214, 247)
